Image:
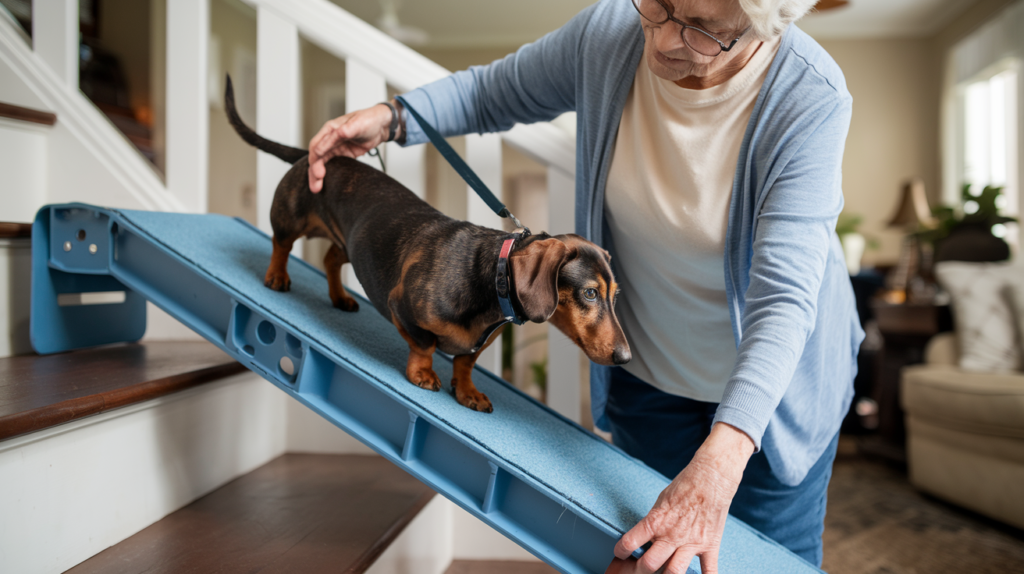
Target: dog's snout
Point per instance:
(621, 356)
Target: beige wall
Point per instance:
(892, 133)
(895, 132)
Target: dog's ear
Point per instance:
(535, 271)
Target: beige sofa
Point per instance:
(965, 433)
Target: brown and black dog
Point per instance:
(431, 275)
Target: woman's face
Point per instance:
(670, 58)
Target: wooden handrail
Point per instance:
(10, 230)
(320, 21)
(23, 114)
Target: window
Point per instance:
(988, 137)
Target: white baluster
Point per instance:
(563, 356)
(188, 108)
(278, 103)
(55, 37)
(364, 88)
(483, 154)
(408, 166)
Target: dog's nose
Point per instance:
(621, 356)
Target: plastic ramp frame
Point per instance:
(543, 481)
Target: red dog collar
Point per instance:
(505, 288)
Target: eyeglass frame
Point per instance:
(683, 26)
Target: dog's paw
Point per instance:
(349, 305)
(425, 379)
(473, 399)
(278, 281)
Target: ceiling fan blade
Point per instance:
(824, 5)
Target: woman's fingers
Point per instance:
(709, 561)
(655, 557)
(351, 135)
(317, 171)
(680, 562)
(635, 538)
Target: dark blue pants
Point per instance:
(665, 432)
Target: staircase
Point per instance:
(124, 458)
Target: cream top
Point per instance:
(667, 203)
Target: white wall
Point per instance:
(23, 160)
(68, 492)
(424, 547)
(15, 267)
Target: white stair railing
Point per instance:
(84, 147)
(373, 62)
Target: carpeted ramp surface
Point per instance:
(590, 474)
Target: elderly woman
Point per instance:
(709, 143)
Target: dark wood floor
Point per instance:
(878, 524)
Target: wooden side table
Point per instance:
(906, 330)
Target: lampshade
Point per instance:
(913, 209)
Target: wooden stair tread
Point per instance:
(499, 567)
(37, 392)
(12, 230)
(305, 513)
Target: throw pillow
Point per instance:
(985, 324)
(1017, 302)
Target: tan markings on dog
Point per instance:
(595, 336)
(398, 291)
(420, 367)
(466, 392)
(453, 337)
(333, 260)
(277, 272)
(602, 287)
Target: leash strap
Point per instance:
(462, 168)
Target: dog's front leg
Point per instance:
(466, 392)
(420, 368)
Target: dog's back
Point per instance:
(366, 213)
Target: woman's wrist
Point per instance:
(400, 134)
(727, 450)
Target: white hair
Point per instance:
(769, 18)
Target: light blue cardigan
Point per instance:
(791, 303)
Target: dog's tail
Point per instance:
(286, 153)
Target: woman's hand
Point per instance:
(689, 517)
(351, 135)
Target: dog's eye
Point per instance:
(590, 294)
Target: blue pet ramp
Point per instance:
(543, 481)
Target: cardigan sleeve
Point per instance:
(791, 246)
(535, 83)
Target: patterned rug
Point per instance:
(878, 524)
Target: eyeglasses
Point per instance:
(700, 41)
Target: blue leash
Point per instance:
(463, 169)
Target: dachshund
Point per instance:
(435, 277)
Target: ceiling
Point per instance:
(493, 23)
(884, 18)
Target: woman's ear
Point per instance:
(535, 274)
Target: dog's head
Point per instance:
(568, 281)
